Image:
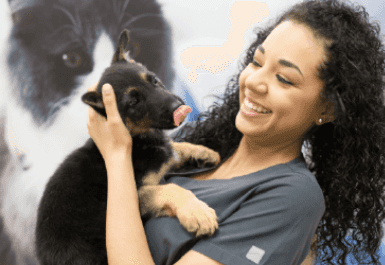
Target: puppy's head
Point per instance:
(143, 101)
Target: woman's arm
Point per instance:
(125, 238)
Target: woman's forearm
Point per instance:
(125, 238)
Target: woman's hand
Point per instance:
(110, 135)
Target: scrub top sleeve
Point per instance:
(272, 227)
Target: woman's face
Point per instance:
(283, 81)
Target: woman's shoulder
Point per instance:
(301, 188)
(290, 185)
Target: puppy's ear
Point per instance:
(95, 100)
(122, 52)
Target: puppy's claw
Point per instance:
(200, 163)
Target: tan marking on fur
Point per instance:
(132, 61)
(187, 151)
(121, 53)
(148, 204)
(153, 178)
(139, 127)
(183, 151)
(129, 89)
(172, 200)
(143, 76)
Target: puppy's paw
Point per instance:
(205, 156)
(196, 216)
(196, 154)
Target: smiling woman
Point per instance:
(264, 84)
(318, 72)
(313, 78)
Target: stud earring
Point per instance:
(320, 121)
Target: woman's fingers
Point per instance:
(92, 114)
(110, 103)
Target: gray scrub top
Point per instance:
(266, 217)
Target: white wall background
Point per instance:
(203, 22)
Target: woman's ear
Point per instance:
(328, 114)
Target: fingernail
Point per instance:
(107, 89)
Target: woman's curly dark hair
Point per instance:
(346, 155)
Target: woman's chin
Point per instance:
(244, 126)
(248, 125)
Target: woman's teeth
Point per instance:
(255, 108)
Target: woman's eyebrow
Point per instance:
(281, 61)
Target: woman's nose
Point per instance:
(257, 81)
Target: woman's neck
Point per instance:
(250, 156)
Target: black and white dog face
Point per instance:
(56, 49)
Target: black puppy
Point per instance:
(72, 213)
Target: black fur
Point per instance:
(72, 213)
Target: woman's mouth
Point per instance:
(251, 109)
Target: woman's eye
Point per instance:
(256, 63)
(280, 79)
(284, 81)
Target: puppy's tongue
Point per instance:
(180, 114)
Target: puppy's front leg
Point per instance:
(201, 154)
(171, 200)
(183, 152)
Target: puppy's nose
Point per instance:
(177, 103)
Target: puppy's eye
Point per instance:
(72, 59)
(133, 102)
(153, 80)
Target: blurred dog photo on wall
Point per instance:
(53, 51)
